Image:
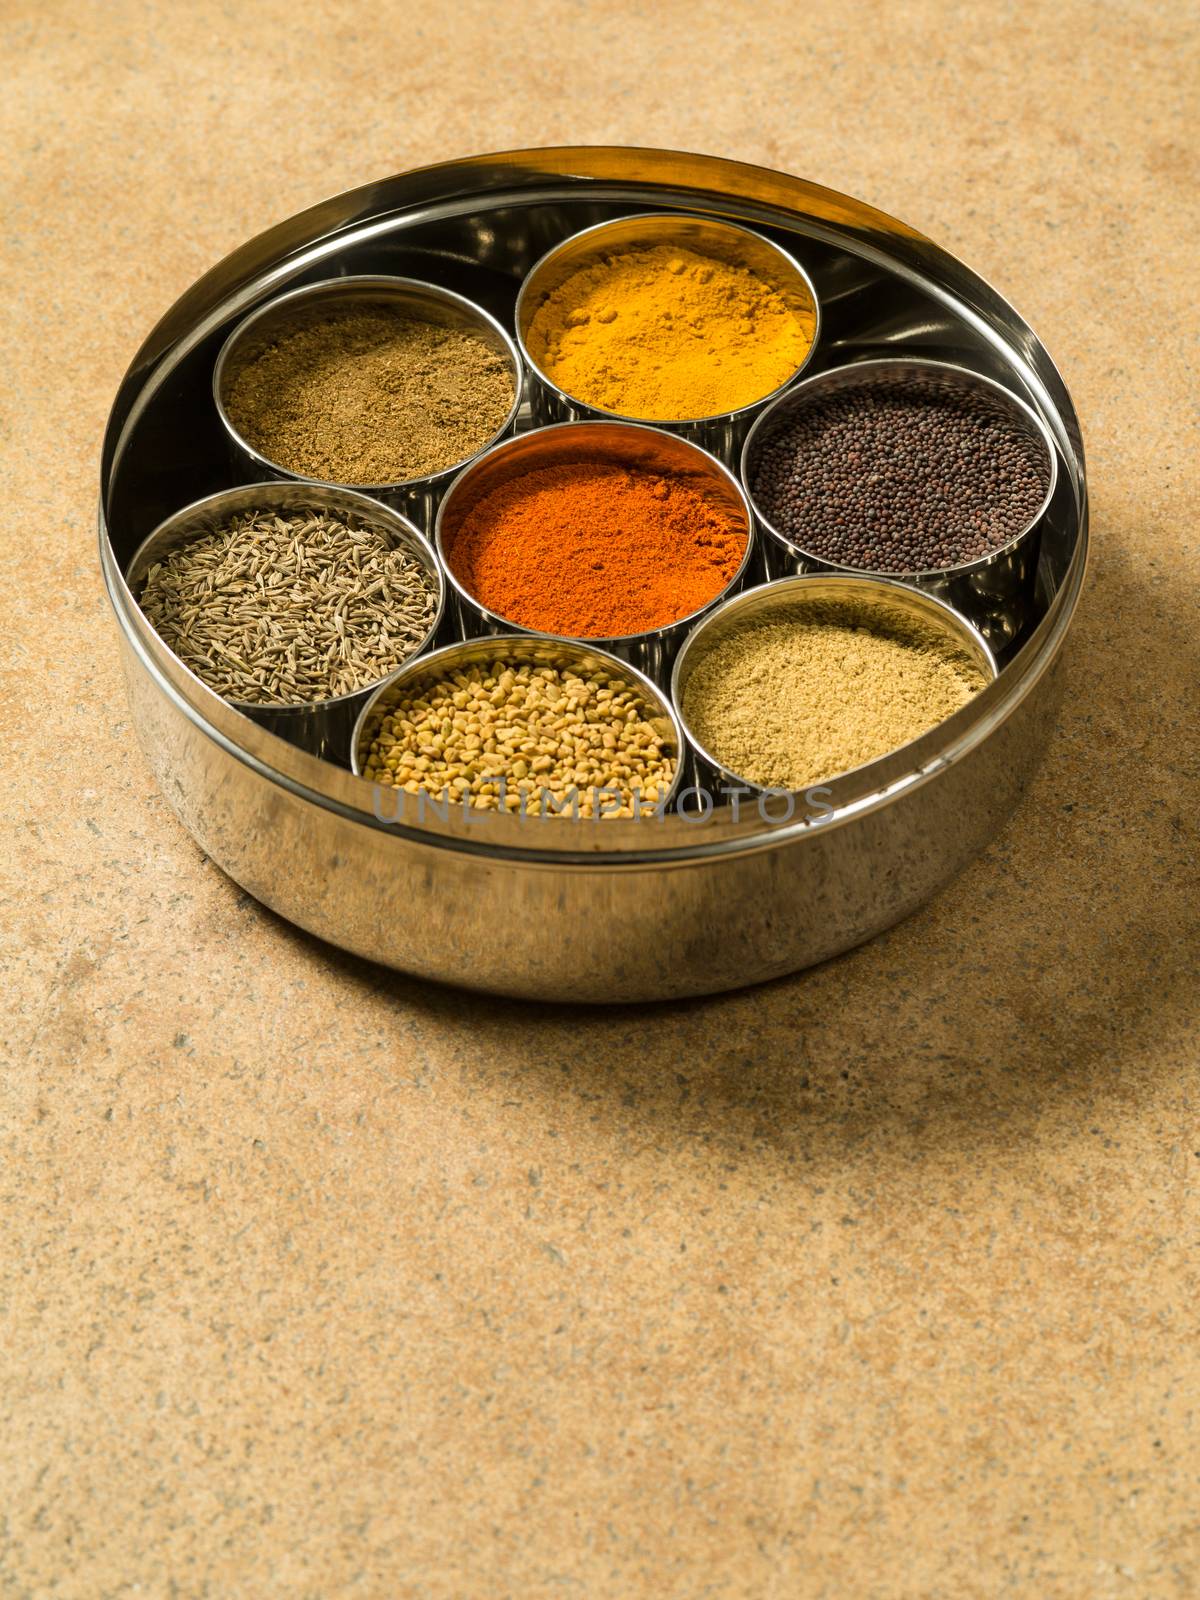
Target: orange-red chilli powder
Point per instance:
(594, 550)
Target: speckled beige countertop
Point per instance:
(882, 1281)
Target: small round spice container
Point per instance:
(912, 469)
(539, 728)
(292, 601)
(608, 532)
(799, 681)
(683, 322)
(385, 385)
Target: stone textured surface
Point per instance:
(878, 1282)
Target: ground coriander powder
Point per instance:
(796, 697)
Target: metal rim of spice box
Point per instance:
(605, 914)
(322, 727)
(996, 584)
(636, 443)
(378, 288)
(782, 593)
(542, 648)
(552, 403)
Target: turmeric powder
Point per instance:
(663, 333)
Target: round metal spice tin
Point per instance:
(720, 238)
(321, 726)
(997, 589)
(622, 445)
(417, 496)
(523, 649)
(685, 903)
(781, 599)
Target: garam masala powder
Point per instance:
(368, 395)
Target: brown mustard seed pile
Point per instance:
(513, 735)
(900, 476)
(792, 699)
(370, 396)
(285, 610)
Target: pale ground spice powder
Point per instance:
(370, 396)
(792, 699)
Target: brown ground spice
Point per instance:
(792, 699)
(370, 396)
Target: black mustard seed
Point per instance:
(892, 475)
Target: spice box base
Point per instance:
(705, 896)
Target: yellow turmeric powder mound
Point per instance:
(667, 334)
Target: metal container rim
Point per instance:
(365, 282)
(529, 284)
(495, 451)
(499, 644)
(800, 393)
(224, 500)
(783, 589)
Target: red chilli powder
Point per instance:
(595, 550)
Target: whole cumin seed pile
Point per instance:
(286, 610)
(367, 395)
(800, 695)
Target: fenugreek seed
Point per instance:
(519, 731)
